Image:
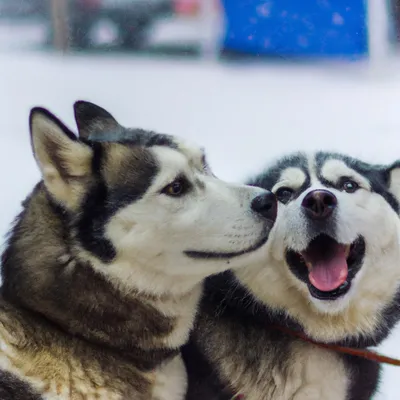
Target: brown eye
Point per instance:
(176, 188)
(284, 194)
(349, 186)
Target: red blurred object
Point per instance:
(186, 7)
(191, 7)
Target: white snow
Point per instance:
(245, 115)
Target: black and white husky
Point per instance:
(331, 272)
(103, 270)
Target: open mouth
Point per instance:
(328, 267)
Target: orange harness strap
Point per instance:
(364, 353)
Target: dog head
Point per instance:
(334, 251)
(142, 206)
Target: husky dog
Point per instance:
(331, 272)
(103, 269)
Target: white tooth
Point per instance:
(347, 251)
(309, 266)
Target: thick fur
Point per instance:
(236, 348)
(103, 270)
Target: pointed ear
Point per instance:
(394, 179)
(94, 122)
(64, 162)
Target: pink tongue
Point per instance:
(329, 274)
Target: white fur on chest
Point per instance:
(310, 373)
(171, 381)
(315, 374)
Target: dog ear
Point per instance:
(94, 122)
(394, 179)
(65, 162)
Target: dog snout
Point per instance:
(265, 205)
(319, 204)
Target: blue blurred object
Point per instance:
(322, 28)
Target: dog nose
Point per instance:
(319, 204)
(265, 205)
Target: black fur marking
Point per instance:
(13, 388)
(203, 382)
(140, 137)
(91, 224)
(87, 113)
(389, 318)
(364, 377)
(269, 179)
(226, 295)
(133, 137)
(93, 121)
(103, 202)
(377, 175)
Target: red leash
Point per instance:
(364, 353)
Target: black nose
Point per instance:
(319, 204)
(266, 205)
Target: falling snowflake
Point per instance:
(264, 10)
(337, 19)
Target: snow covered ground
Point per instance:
(245, 115)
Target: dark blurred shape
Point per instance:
(22, 8)
(59, 16)
(124, 23)
(395, 9)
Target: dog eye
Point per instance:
(177, 188)
(284, 194)
(349, 186)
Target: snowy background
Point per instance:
(244, 114)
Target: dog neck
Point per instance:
(228, 293)
(41, 274)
